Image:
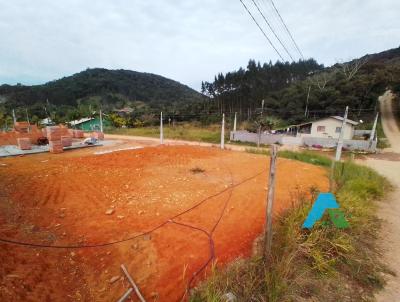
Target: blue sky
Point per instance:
(188, 41)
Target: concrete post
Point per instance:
(223, 132)
(372, 135)
(101, 121)
(161, 130)
(234, 122)
(14, 117)
(340, 142)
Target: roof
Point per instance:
(82, 120)
(339, 118)
(124, 110)
(46, 120)
(347, 120)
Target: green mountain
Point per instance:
(97, 87)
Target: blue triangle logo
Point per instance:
(324, 201)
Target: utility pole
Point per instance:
(262, 106)
(223, 132)
(340, 142)
(101, 121)
(270, 203)
(161, 130)
(234, 122)
(14, 118)
(308, 97)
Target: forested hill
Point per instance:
(110, 88)
(289, 89)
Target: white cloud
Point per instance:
(188, 41)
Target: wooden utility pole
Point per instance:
(270, 202)
(340, 142)
(161, 130)
(223, 132)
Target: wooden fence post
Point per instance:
(270, 202)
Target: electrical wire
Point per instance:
(265, 35)
(273, 31)
(287, 29)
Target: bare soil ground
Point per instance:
(168, 203)
(388, 164)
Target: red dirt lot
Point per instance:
(169, 202)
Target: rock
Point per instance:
(114, 279)
(141, 212)
(72, 254)
(228, 297)
(110, 211)
(120, 217)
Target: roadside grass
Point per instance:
(306, 156)
(323, 264)
(209, 134)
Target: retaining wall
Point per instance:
(267, 139)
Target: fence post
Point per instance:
(372, 135)
(270, 202)
(161, 130)
(14, 118)
(340, 142)
(101, 121)
(223, 132)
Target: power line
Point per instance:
(273, 31)
(265, 35)
(287, 29)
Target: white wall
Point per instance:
(330, 129)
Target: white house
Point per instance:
(328, 127)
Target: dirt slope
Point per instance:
(388, 164)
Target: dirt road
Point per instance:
(388, 164)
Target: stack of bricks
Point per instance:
(24, 143)
(78, 134)
(54, 137)
(98, 135)
(66, 141)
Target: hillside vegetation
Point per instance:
(285, 88)
(74, 96)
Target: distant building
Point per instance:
(328, 127)
(46, 122)
(88, 124)
(124, 111)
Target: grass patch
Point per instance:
(307, 157)
(323, 264)
(209, 134)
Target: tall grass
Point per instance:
(323, 264)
